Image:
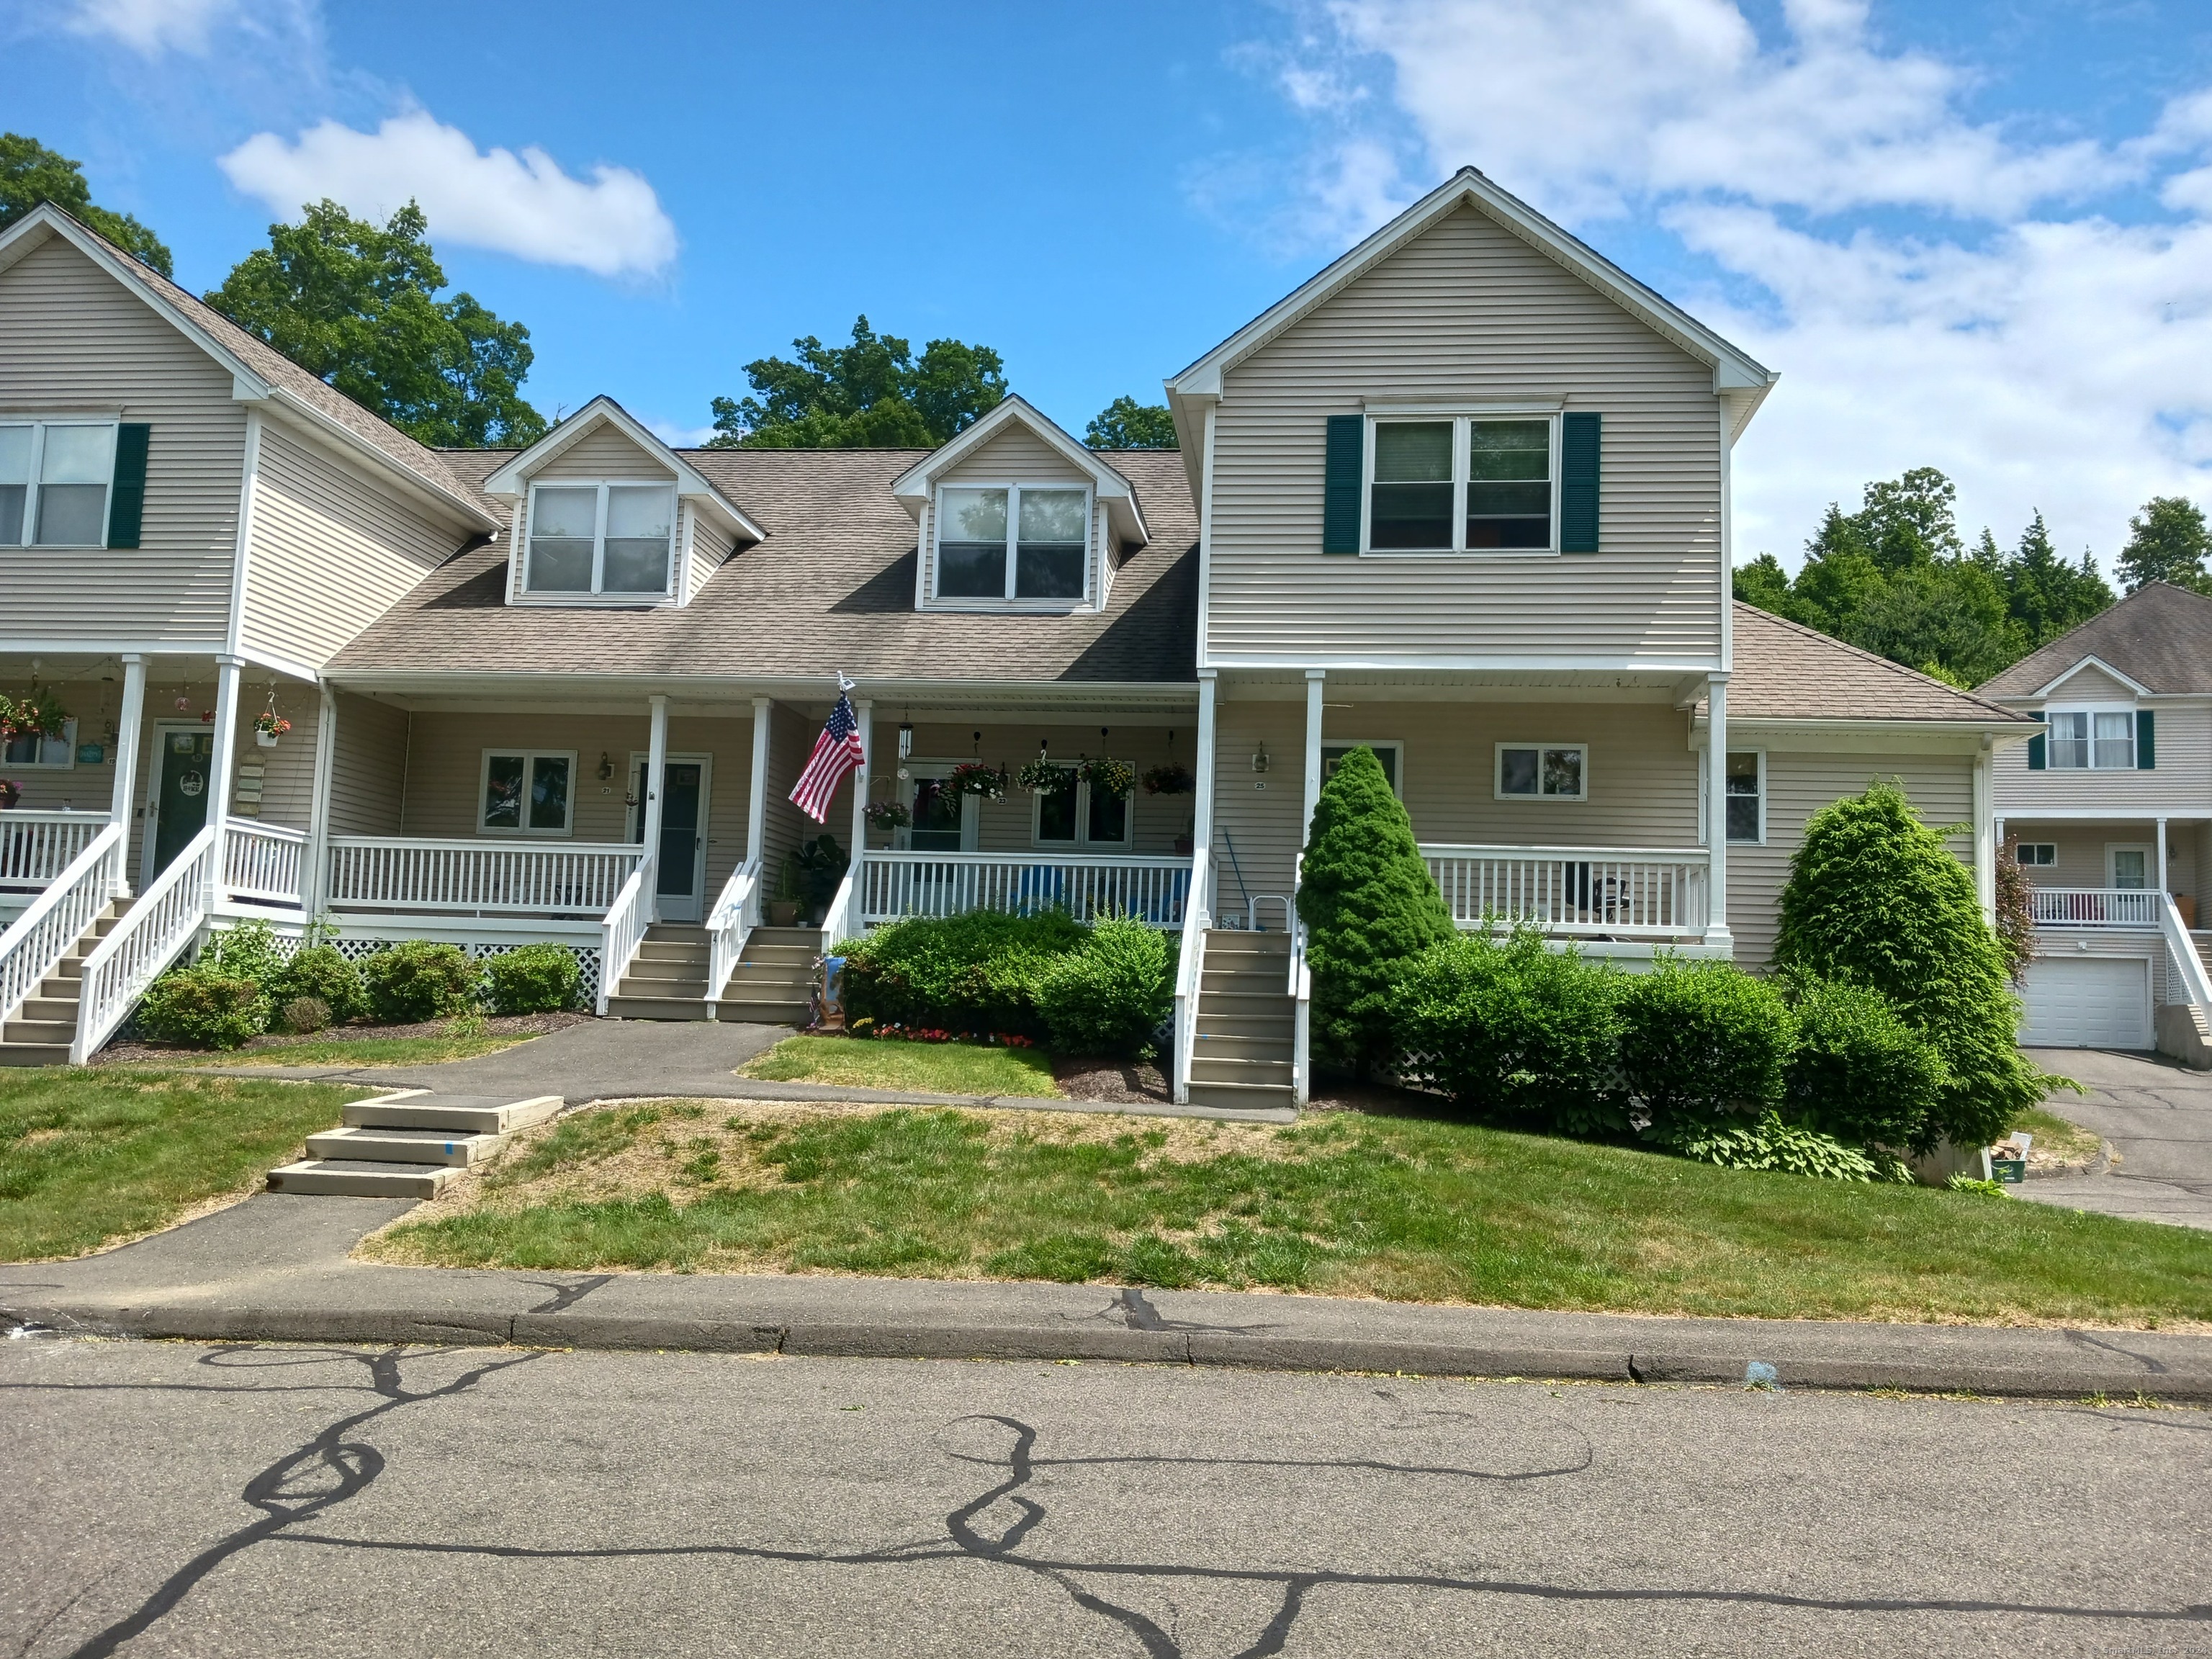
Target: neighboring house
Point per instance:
(1462, 497)
(2111, 812)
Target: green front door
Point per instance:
(180, 799)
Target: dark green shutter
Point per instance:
(1346, 460)
(2036, 748)
(2146, 740)
(126, 501)
(1580, 441)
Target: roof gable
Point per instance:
(512, 475)
(911, 489)
(2099, 668)
(2159, 638)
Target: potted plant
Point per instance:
(1172, 778)
(783, 908)
(38, 712)
(1107, 777)
(822, 864)
(1044, 777)
(974, 778)
(888, 815)
(10, 793)
(268, 726)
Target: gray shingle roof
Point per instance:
(2160, 636)
(1784, 671)
(831, 588)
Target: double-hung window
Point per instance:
(1470, 483)
(1014, 543)
(601, 540)
(1551, 771)
(43, 750)
(2032, 853)
(2092, 738)
(1747, 796)
(1081, 816)
(54, 479)
(526, 792)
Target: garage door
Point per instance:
(2088, 1002)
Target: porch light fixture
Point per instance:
(1260, 758)
(606, 767)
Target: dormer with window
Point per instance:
(2093, 723)
(1014, 514)
(606, 515)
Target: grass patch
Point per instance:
(935, 1068)
(349, 1051)
(2057, 1137)
(86, 1158)
(1348, 1204)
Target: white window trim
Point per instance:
(1082, 843)
(69, 730)
(1460, 418)
(1498, 771)
(939, 600)
(671, 596)
(530, 757)
(1398, 770)
(2150, 864)
(38, 423)
(2092, 709)
(2035, 864)
(1758, 840)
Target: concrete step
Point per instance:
(353, 1178)
(382, 1145)
(771, 973)
(763, 1013)
(658, 1007)
(1240, 1096)
(44, 1007)
(63, 1031)
(1207, 1067)
(470, 1115)
(661, 984)
(33, 1053)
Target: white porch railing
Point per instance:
(1619, 891)
(261, 861)
(147, 938)
(56, 919)
(1190, 970)
(893, 885)
(621, 930)
(735, 915)
(2195, 984)
(388, 872)
(36, 847)
(2094, 907)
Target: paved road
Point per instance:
(168, 1499)
(2158, 1115)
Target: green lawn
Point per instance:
(1343, 1204)
(935, 1068)
(87, 1157)
(2060, 1137)
(349, 1051)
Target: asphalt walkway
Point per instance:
(2157, 1114)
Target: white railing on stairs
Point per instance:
(621, 930)
(2094, 907)
(1623, 892)
(1088, 885)
(735, 915)
(1301, 992)
(262, 862)
(2196, 983)
(389, 872)
(37, 846)
(842, 920)
(1190, 970)
(160, 924)
(57, 918)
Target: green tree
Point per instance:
(1125, 423)
(30, 173)
(2166, 542)
(2044, 595)
(872, 394)
(356, 304)
(1763, 583)
(1911, 521)
(1369, 906)
(1946, 619)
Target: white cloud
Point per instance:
(522, 205)
(151, 28)
(1981, 314)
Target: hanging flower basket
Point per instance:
(888, 815)
(1172, 779)
(1043, 777)
(37, 712)
(270, 727)
(1109, 777)
(974, 778)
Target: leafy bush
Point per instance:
(537, 978)
(1369, 908)
(322, 972)
(1109, 997)
(1769, 1143)
(304, 1014)
(974, 973)
(416, 980)
(205, 1007)
(1703, 1041)
(1860, 1072)
(1513, 1027)
(249, 951)
(1875, 898)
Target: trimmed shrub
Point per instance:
(1109, 997)
(304, 1014)
(1876, 899)
(323, 973)
(204, 1007)
(974, 973)
(1702, 1043)
(1513, 1027)
(248, 950)
(1369, 908)
(1769, 1143)
(538, 979)
(1860, 1072)
(417, 981)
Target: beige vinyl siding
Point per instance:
(2090, 683)
(75, 787)
(1017, 455)
(368, 768)
(1258, 831)
(287, 770)
(709, 545)
(1009, 825)
(72, 339)
(2181, 782)
(1941, 788)
(1468, 314)
(791, 738)
(604, 454)
(2082, 852)
(330, 551)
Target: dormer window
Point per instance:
(1014, 543)
(601, 540)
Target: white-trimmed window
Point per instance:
(1464, 484)
(48, 753)
(1081, 817)
(526, 792)
(54, 479)
(2101, 739)
(1746, 795)
(1390, 754)
(1013, 543)
(609, 540)
(2037, 853)
(1543, 771)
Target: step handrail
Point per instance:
(36, 941)
(729, 923)
(621, 930)
(837, 919)
(167, 918)
(2194, 980)
(1301, 993)
(1190, 965)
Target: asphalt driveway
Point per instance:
(2158, 1115)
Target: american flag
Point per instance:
(837, 752)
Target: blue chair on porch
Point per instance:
(1040, 887)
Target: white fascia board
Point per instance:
(2051, 688)
(1660, 670)
(512, 478)
(911, 489)
(2184, 814)
(1962, 736)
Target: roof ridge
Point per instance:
(1889, 663)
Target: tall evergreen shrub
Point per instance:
(1874, 898)
(1369, 906)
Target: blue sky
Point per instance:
(1977, 235)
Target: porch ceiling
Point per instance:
(729, 698)
(1669, 686)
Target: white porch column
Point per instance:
(656, 763)
(1201, 805)
(220, 765)
(1985, 834)
(2161, 855)
(866, 711)
(1315, 677)
(1716, 927)
(314, 871)
(757, 811)
(127, 728)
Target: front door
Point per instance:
(180, 792)
(680, 885)
(941, 816)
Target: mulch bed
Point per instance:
(1117, 1082)
(496, 1025)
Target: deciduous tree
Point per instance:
(872, 394)
(30, 173)
(1125, 423)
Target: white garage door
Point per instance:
(2088, 1002)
